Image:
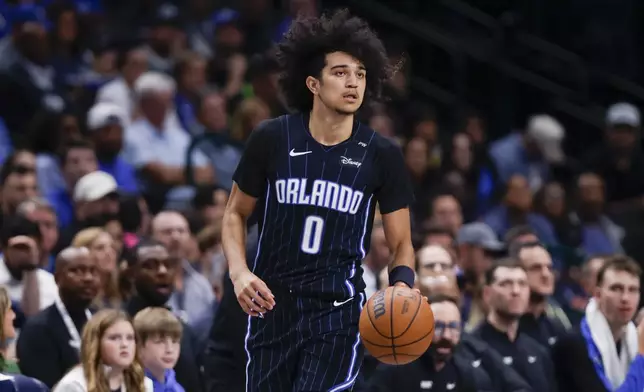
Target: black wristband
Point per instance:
(404, 274)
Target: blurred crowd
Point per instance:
(121, 125)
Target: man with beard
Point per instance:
(506, 294)
(49, 343)
(444, 367)
(596, 357)
(544, 321)
(153, 272)
(105, 121)
(95, 204)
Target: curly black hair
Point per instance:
(302, 53)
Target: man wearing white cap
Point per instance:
(531, 153)
(619, 160)
(105, 122)
(95, 203)
(158, 149)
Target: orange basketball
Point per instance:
(396, 325)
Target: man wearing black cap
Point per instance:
(153, 272)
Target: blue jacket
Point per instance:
(634, 381)
(170, 384)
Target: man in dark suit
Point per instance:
(49, 343)
(154, 273)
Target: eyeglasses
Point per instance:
(454, 326)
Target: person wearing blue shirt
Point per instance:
(105, 122)
(634, 381)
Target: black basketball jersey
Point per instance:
(318, 203)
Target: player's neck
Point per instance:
(328, 127)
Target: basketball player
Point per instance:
(318, 176)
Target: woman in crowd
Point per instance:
(101, 247)
(7, 334)
(9, 379)
(109, 360)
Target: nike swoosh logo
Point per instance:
(340, 303)
(297, 154)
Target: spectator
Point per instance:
(442, 367)
(190, 74)
(77, 159)
(477, 247)
(210, 203)
(439, 235)
(432, 260)
(18, 183)
(105, 121)
(159, 333)
(8, 364)
(158, 149)
(118, 353)
(620, 160)
(103, 253)
(222, 151)
(50, 341)
(166, 38)
(446, 212)
(597, 356)
(263, 73)
(39, 210)
(153, 273)
(27, 284)
(416, 151)
(516, 209)
(544, 321)
(29, 83)
(212, 260)
(248, 115)
(531, 152)
(507, 295)
(95, 204)
(192, 299)
(132, 62)
(599, 234)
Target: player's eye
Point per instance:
(361, 75)
(340, 73)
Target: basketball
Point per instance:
(396, 325)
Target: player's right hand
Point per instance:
(252, 294)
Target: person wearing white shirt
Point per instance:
(28, 285)
(109, 360)
(157, 148)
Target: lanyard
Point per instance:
(75, 341)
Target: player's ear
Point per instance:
(313, 85)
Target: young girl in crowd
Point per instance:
(109, 360)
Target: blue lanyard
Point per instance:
(594, 354)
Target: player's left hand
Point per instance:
(416, 290)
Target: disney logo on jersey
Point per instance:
(350, 162)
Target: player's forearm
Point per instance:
(403, 254)
(233, 240)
